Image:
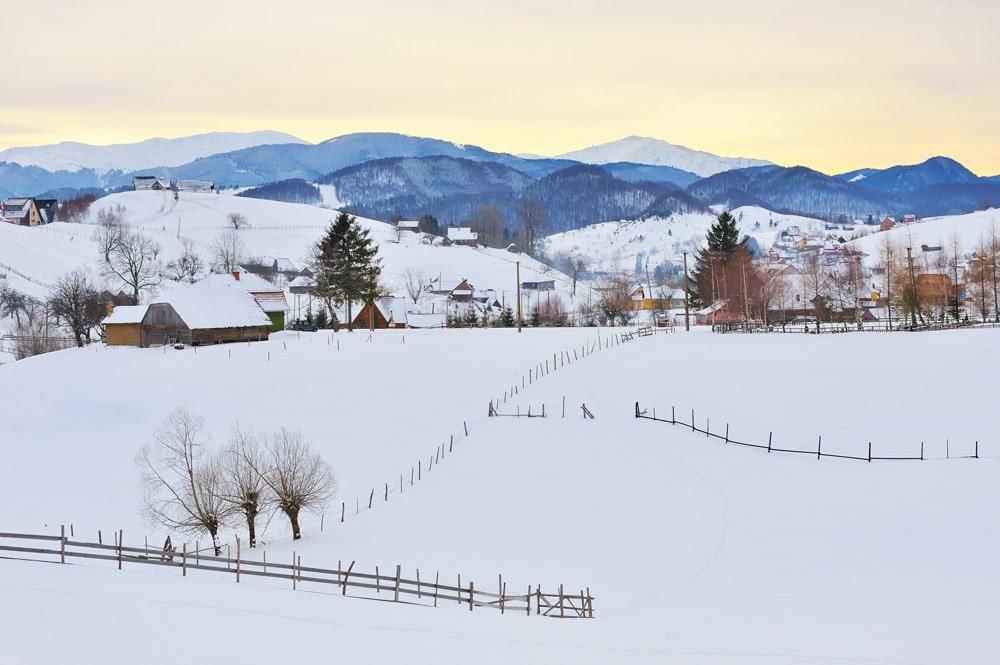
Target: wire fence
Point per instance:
(964, 451)
(345, 580)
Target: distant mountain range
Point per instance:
(381, 175)
(656, 152)
(72, 156)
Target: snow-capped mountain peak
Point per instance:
(657, 152)
(73, 156)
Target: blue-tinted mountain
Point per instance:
(856, 175)
(797, 190)
(271, 163)
(953, 199)
(447, 187)
(287, 191)
(913, 178)
(583, 194)
(17, 180)
(677, 202)
(666, 175)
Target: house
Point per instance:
(195, 186)
(886, 224)
(462, 293)
(461, 235)
(542, 285)
(386, 312)
(270, 298)
(909, 219)
(411, 225)
(29, 211)
(150, 182)
(192, 315)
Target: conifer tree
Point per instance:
(723, 241)
(345, 267)
(506, 318)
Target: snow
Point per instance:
(214, 306)
(934, 232)
(625, 245)
(127, 314)
(656, 152)
(37, 256)
(695, 551)
(73, 156)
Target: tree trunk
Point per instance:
(293, 518)
(350, 317)
(215, 542)
(252, 528)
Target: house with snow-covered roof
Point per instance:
(461, 235)
(270, 298)
(29, 211)
(150, 182)
(191, 315)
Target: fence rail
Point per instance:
(392, 586)
(972, 451)
(828, 328)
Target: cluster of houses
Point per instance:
(156, 183)
(29, 211)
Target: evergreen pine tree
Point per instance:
(345, 267)
(536, 319)
(506, 318)
(723, 241)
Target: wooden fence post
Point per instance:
(562, 611)
(869, 452)
(343, 509)
(471, 594)
(769, 435)
(921, 451)
(466, 426)
(396, 598)
(371, 497)
(237, 559)
(819, 448)
(62, 544)
(184, 560)
(727, 432)
(977, 450)
(119, 549)
(346, 575)
(437, 575)
(293, 570)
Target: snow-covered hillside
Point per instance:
(643, 150)
(933, 232)
(626, 245)
(695, 551)
(73, 156)
(33, 258)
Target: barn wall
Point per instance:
(123, 334)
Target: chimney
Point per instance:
(236, 275)
(110, 307)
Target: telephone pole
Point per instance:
(518, 296)
(687, 320)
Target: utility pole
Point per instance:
(518, 296)
(687, 319)
(914, 301)
(178, 228)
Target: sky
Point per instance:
(831, 85)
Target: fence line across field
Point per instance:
(828, 328)
(817, 450)
(394, 586)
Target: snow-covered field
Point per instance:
(625, 245)
(696, 552)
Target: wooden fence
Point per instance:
(970, 451)
(390, 586)
(828, 328)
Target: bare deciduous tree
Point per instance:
(298, 477)
(414, 283)
(237, 220)
(188, 266)
(135, 261)
(181, 480)
(76, 302)
(532, 221)
(243, 487)
(228, 250)
(111, 227)
(489, 222)
(614, 302)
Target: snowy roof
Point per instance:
(220, 306)
(285, 265)
(415, 320)
(301, 281)
(461, 233)
(248, 282)
(407, 224)
(126, 314)
(267, 295)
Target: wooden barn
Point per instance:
(271, 298)
(205, 315)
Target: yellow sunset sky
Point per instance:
(831, 85)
